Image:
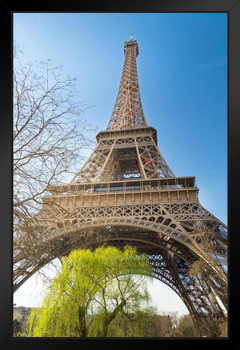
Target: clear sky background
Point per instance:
(182, 70)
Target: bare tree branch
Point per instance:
(49, 137)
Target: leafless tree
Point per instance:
(48, 132)
(49, 139)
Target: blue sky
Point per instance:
(182, 69)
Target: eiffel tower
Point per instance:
(126, 193)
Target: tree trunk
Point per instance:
(111, 316)
(82, 322)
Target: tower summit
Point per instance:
(128, 111)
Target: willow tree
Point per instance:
(83, 285)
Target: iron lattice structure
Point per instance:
(126, 193)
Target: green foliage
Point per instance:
(137, 324)
(99, 282)
(101, 294)
(145, 323)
